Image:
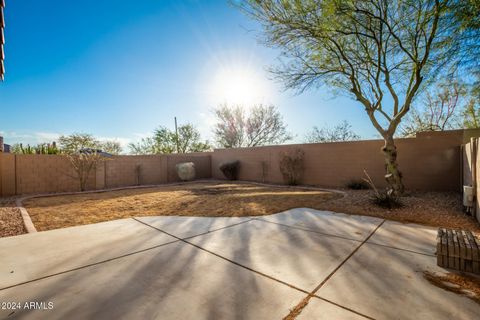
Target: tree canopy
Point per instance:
(381, 53)
(340, 132)
(165, 140)
(237, 126)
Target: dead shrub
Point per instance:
(292, 166)
(384, 199)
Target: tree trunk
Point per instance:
(393, 175)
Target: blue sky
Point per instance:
(119, 69)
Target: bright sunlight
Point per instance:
(239, 85)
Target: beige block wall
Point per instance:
(7, 174)
(427, 162)
(432, 161)
(202, 161)
(47, 174)
(121, 171)
(29, 174)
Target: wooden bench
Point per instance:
(458, 250)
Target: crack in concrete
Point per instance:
(259, 272)
(302, 304)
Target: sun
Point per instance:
(239, 85)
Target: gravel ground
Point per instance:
(437, 209)
(11, 223)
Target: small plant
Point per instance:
(138, 172)
(385, 199)
(84, 164)
(357, 184)
(264, 165)
(292, 166)
(230, 169)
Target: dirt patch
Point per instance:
(295, 312)
(436, 209)
(11, 223)
(462, 284)
(195, 199)
(236, 199)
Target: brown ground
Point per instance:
(195, 199)
(237, 199)
(460, 283)
(436, 209)
(11, 223)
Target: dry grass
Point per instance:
(11, 223)
(196, 199)
(463, 284)
(238, 199)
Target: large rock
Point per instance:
(186, 171)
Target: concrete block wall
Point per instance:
(202, 161)
(431, 161)
(30, 174)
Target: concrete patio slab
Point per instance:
(413, 237)
(385, 283)
(184, 227)
(297, 257)
(176, 281)
(326, 222)
(241, 269)
(321, 310)
(35, 255)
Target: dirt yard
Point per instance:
(195, 199)
(237, 199)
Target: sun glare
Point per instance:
(239, 86)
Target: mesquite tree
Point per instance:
(380, 52)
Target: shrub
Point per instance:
(357, 184)
(292, 166)
(385, 199)
(230, 169)
(186, 171)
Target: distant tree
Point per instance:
(439, 110)
(165, 140)
(189, 140)
(341, 132)
(471, 112)
(367, 49)
(237, 127)
(471, 115)
(77, 142)
(41, 148)
(144, 146)
(85, 152)
(111, 146)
